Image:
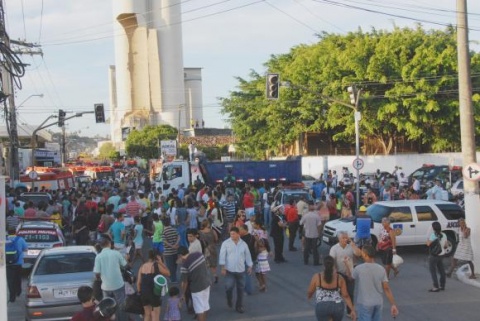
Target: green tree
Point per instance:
(108, 151)
(409, 89)
(145, 143)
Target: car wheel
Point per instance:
(451, 245)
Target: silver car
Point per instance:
(54, 281)
(39, 235)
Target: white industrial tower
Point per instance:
(148, 84)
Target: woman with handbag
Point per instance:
(464, 250)
(387, 246)
(330, 293)
(437, 243)
(145, 285)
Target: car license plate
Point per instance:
(65, 293)
(325, 239)
(33, 252)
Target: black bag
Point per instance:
(97, 290)
(435, 248)
(133, 304)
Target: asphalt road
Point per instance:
(285, 298)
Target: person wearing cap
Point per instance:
(364, 223)
(194, 272)
(277, 233)
(312, 225)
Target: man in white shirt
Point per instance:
(234, 255)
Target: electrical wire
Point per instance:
(344, 5)
(41, 24)
(164, 26)
(292, 17)
(317, 16)
(23, 18)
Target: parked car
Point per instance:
(54, 281)
(35, 197)
(429, 172)
(411, 220)
(39, 235)
(308, 181)
(457, 188)
(284, 196)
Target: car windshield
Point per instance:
(38, 235)
(377, 212)
(296, 196)
(35, 199)
(65, 263)
(451, 211)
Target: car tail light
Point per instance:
(32, 292)
(57, 245)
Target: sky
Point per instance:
(227, 38)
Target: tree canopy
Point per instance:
(145, 143)
(409, 89)
(108, 151)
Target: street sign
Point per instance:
(472, 172)
(33, 175)
(168, 147)
(358, 163)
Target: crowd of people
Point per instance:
(228, 229)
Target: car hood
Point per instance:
(342, 225)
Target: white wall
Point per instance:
(314, 165)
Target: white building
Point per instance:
(148, 84)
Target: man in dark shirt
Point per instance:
(250, 240)
(277, 233)
(85, 296)
(195, 273)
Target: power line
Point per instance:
(292, 17)
(41, 24)
(317, 16)
(344, 5)
(164, 26)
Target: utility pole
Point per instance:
(467, 127)
(11, 118)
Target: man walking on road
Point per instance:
(195, 273)
(107, 268)
(234, 255)
(14, 268)
(371, 281)
(312, 225)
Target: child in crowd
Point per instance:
(174, 305)
(262, 266)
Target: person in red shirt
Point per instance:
(30, 212)
(249, 202)
(90, 204)
(291, 215)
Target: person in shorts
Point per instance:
(194, 271)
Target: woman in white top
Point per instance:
(435, 261)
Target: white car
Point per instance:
(411, 220)
(457, 188)
(308, 181)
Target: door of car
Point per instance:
(425, 216)
(401, 220)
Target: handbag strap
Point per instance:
(156, 269)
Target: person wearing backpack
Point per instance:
(229, 182)
(14, 248)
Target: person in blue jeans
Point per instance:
(234, 255)
(14, 270)
(371, 282)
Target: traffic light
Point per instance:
(353, 95)
(99, 113)
(61, 118)
(273, 86)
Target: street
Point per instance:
(287, 284)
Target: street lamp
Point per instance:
(354, 99)
(33, 95)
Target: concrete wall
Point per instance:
(314, 165)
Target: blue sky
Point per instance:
(226, 38)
